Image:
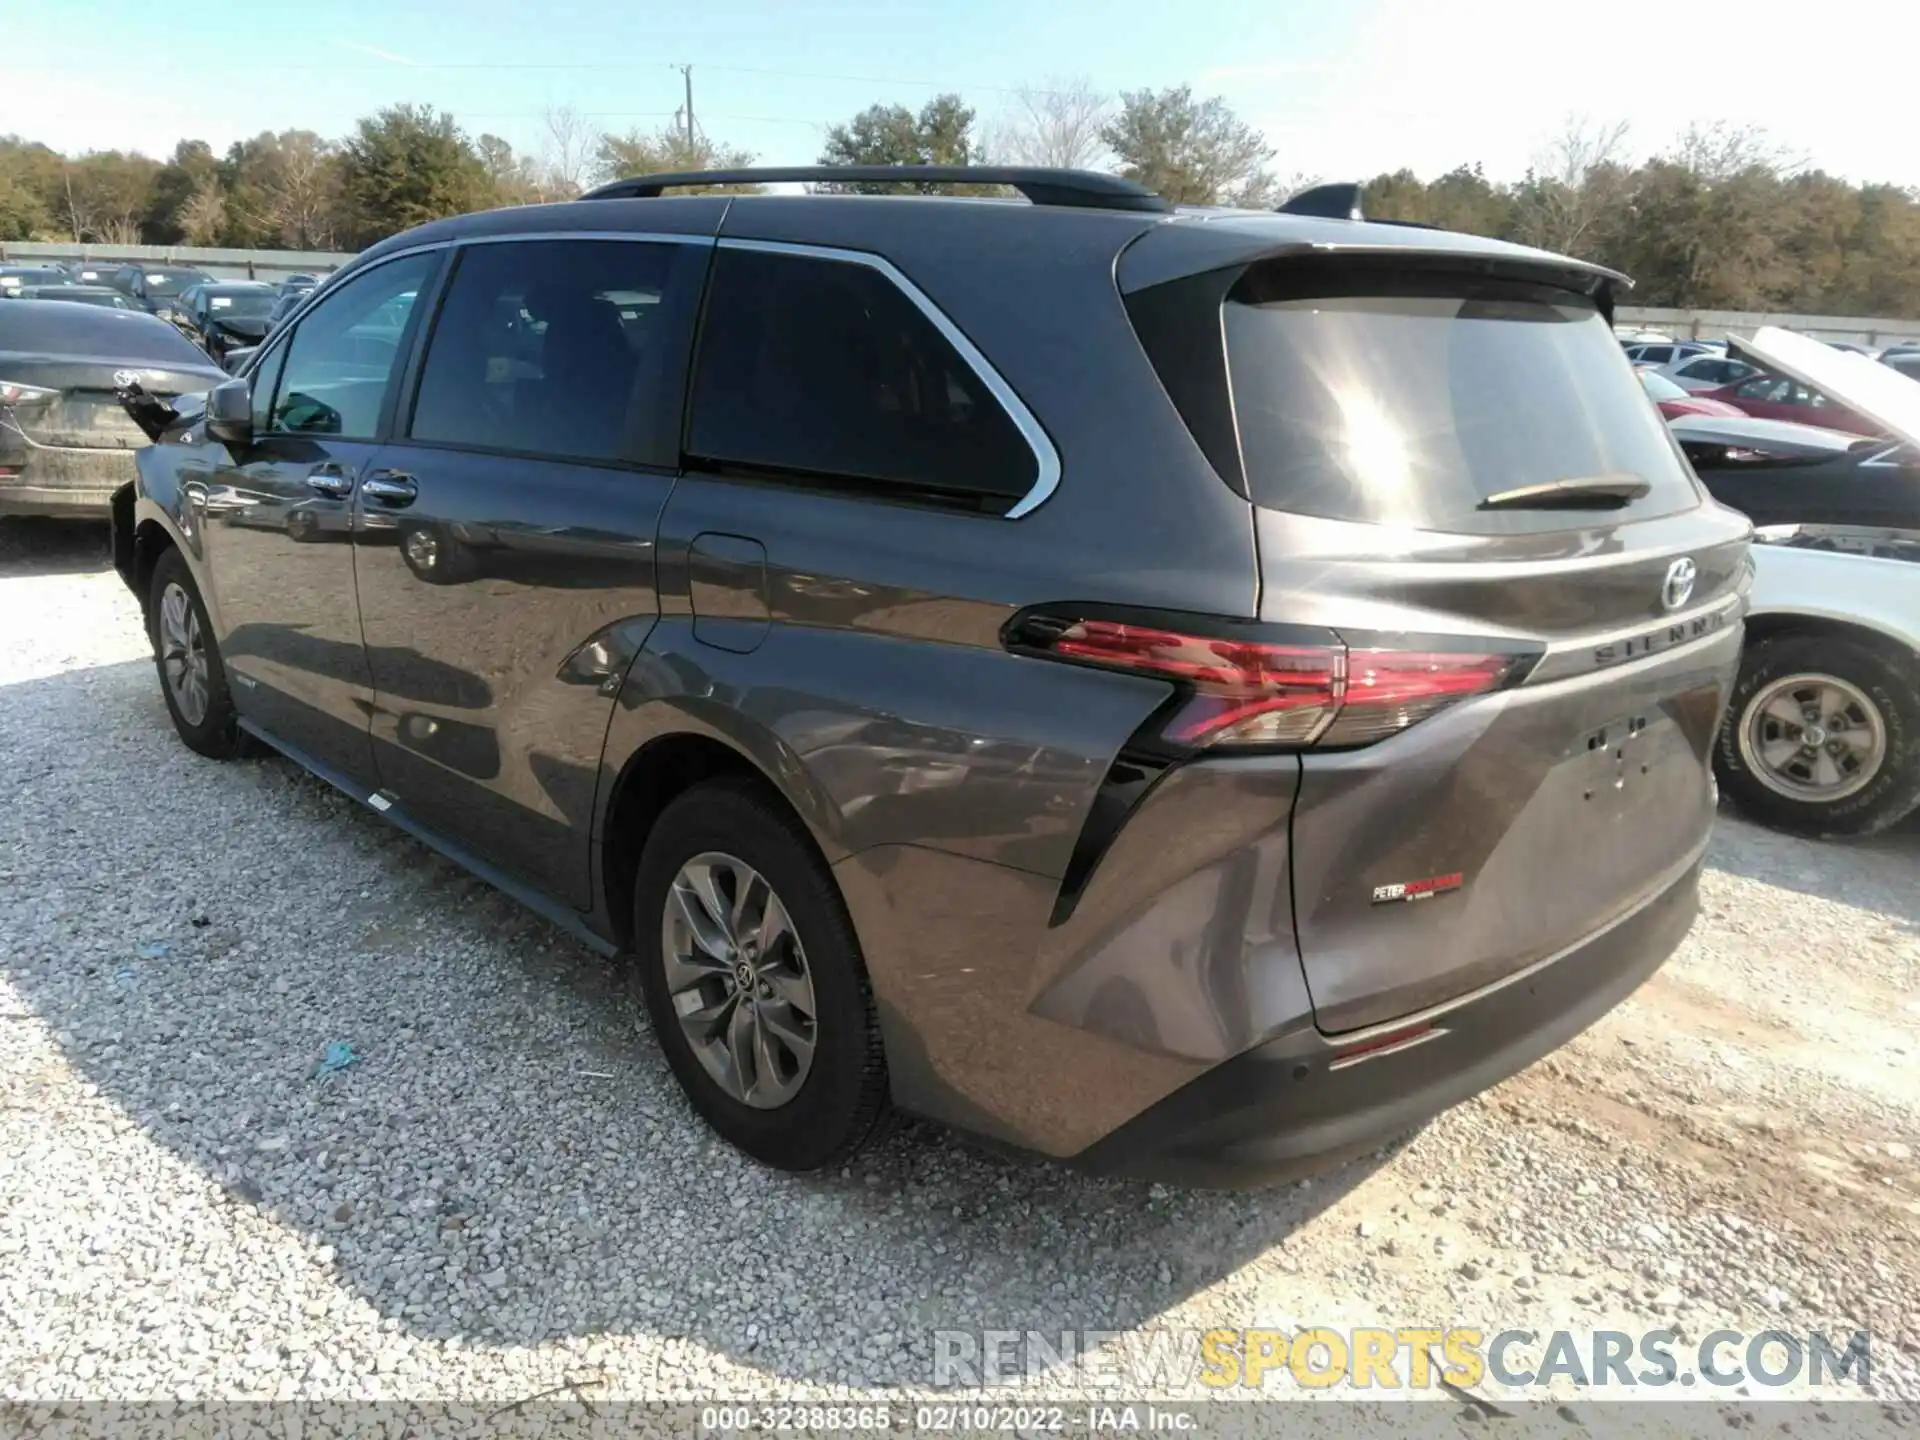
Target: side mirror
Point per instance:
(230, 412)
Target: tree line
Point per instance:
(1718, 219)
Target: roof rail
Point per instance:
(1337, 201)
(1042, 186)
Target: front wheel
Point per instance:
(193, 680)
(751, 973)
(1822, 737)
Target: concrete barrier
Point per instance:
(222, 264)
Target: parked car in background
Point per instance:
(300, 280)
(15, 277)
(1666, 352)
(74, 295)
(1780, 397)
(1007, 749)
(1781, 473)
(1904, 362)
(1673, 401)
(225, 314)
(66, 442)
(1710, 371)
(156, 287)
(284, 304)
(92, 272)
(1823, 736)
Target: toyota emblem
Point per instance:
(123, 378)
(1679, 587)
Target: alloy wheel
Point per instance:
(1813, 737)
(738, 980)
(183, 655)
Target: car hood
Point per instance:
(247, 327)
(1880, 393)
(1776, 437)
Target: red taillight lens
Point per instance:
(1237, 691)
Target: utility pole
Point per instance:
(686, 74)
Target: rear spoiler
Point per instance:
(1328, 221)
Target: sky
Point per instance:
(1343, 89)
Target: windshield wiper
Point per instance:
(1595, 492)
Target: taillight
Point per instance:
(12, 395)
(1244, 686)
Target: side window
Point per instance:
(825, 368)
(344, 351)
(1656, 355)
(1762, 387)
(570, 348)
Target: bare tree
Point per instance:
(1720, 151)
(566, 151)
(1057, 124)
(204, 215)
(303, 190)
(1578, 179)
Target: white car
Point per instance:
(1823, 733)
(1705, 371)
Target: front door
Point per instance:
(279, 520)
(505, 547)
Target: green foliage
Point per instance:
(621, 157)
(408, 165)
(1194, 152)
(941, 134)
(1716, 223)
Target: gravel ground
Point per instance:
(506, 1193)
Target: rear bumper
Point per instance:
(56, 502)
(1288, 1107)
(76, 484)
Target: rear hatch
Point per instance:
(80, 410)
(1449, 458)
(64, 363)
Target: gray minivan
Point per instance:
(1191, 692)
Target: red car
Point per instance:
(1775, 397)
(1673, 401)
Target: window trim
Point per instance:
(1046, 458)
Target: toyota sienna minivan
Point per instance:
(1188, 692)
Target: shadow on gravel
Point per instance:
(53, 547)
(1880, 873)
(509, 1160)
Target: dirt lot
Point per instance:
(506, 1193)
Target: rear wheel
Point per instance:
(1823, 737)
(752, 976)
(192, 679)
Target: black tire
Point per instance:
(217, 734)
(435, 556)
(842, 1102)
(1894, 790)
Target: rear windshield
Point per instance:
(172, 282)
(54, 327)
(245, 304)
(1411, 408)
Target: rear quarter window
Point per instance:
(820, 371)
(1410, 408)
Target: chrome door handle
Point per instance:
(331, 481)
(390, 487)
